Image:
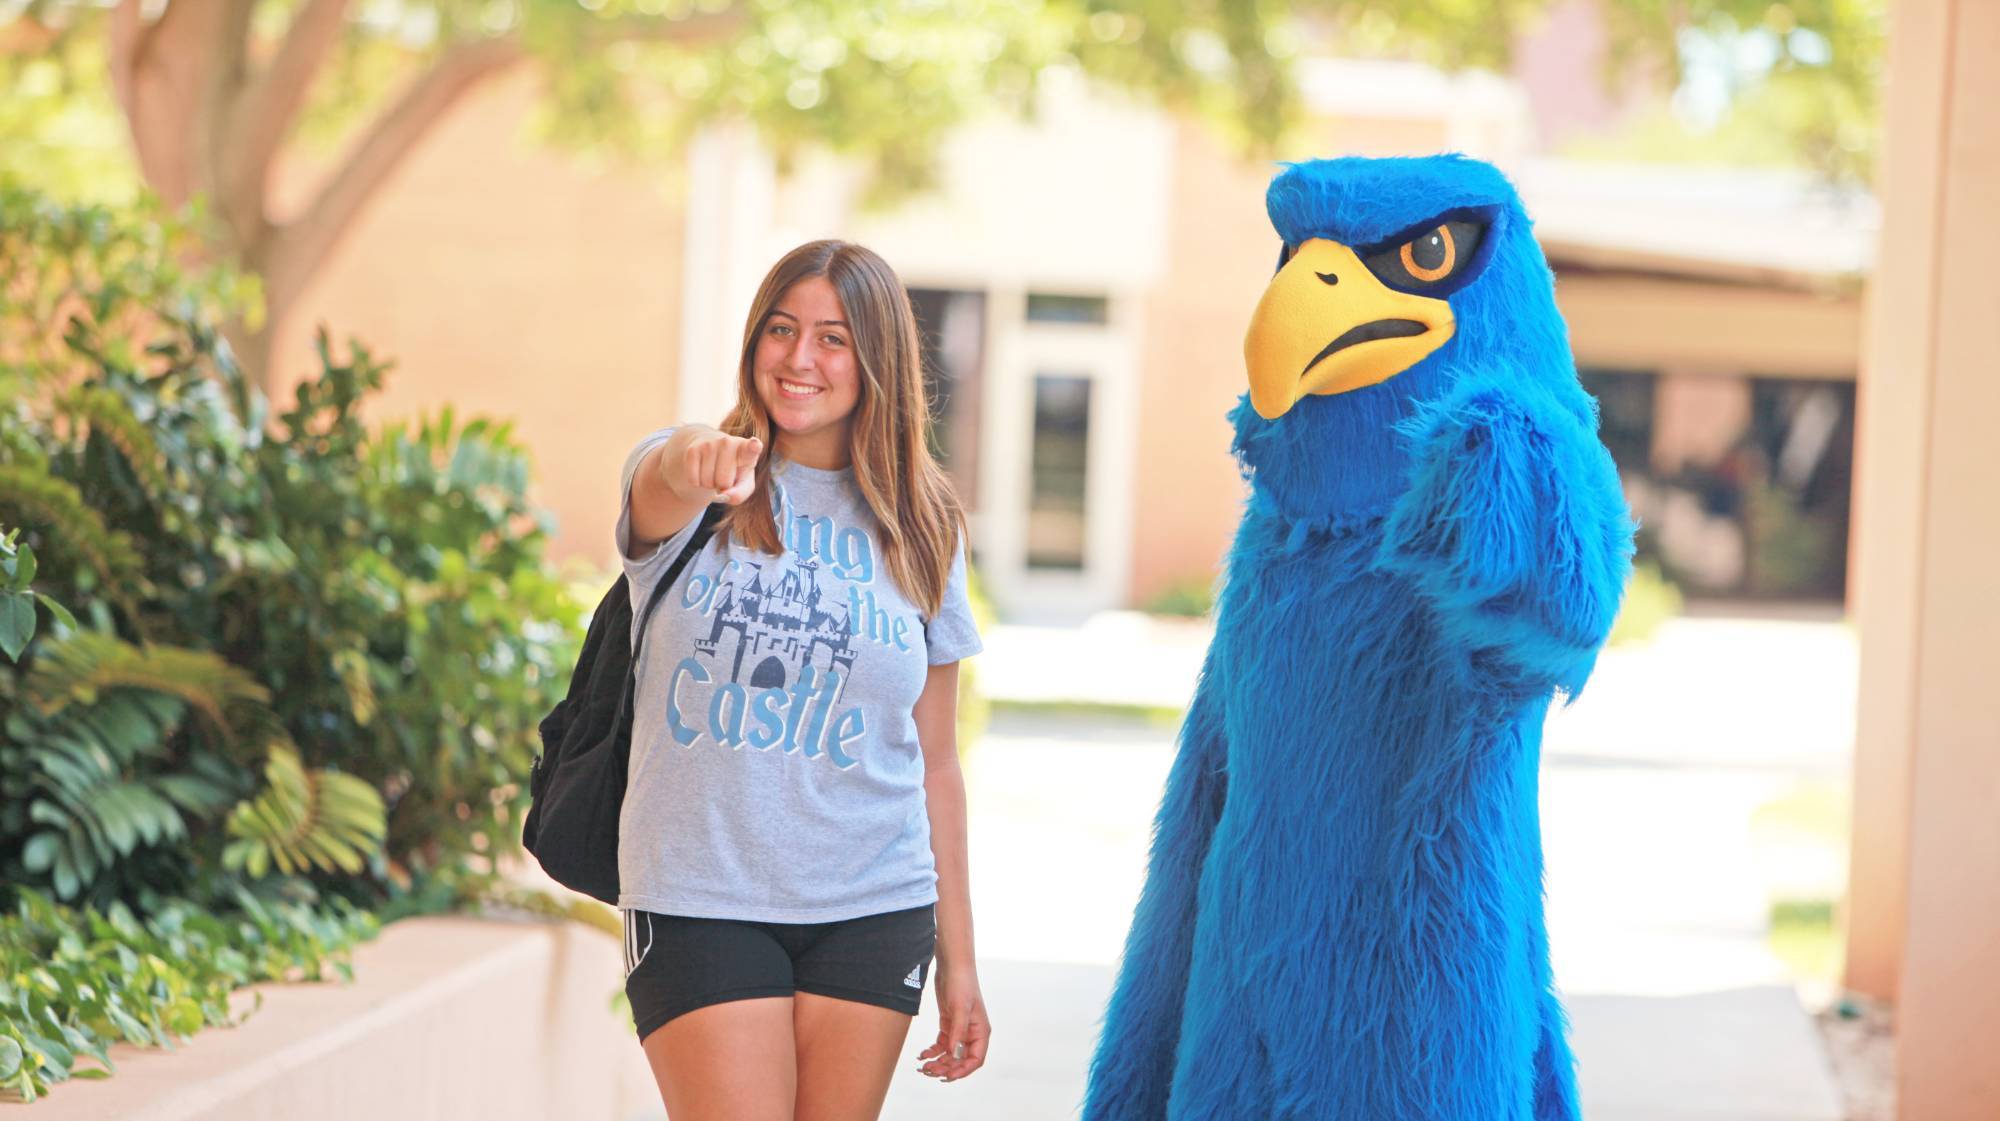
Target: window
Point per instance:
(1801, 451)
(1058, 462)
(1046, 307)
(1741, 484)
(1625, 413)
(951, 328)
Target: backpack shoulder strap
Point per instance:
(702, 532)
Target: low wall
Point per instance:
(447, 1017)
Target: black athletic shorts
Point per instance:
(674, 965)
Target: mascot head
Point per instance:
(1394, 277)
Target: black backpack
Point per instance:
(576, 786)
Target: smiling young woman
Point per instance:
(792, 848)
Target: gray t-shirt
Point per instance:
(775, 773)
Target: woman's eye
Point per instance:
(834, 340)
(780, 330)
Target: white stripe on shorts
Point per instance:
(635, 951)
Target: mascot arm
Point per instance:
(1516, 531)
(1134, 1064)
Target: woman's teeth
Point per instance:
(794, 389)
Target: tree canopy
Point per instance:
(208, 93)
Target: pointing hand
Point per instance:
(715, 467)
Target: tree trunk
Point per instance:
(253, 352)
(205, 122)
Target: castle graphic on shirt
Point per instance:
(781, 645)
(775, 629)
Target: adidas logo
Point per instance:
(916, 978)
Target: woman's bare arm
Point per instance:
(963, 1027)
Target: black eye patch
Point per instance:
(1433, 260)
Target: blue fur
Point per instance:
(1342, 920)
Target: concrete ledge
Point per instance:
(447, 1017)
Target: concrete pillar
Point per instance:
(1924, 900)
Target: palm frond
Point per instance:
(83, 666)
(96, 407)
(40, 502)
(305, 819)
(78, 789)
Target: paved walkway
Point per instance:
(1657, 906)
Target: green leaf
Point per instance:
(184, 1016)
(24, 570)
(38, 855)
(59, 611)
(60, 1055)
(133, 1030)
(10, 1056)
(17, 622)
(116, 814)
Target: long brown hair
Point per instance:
(920, 519)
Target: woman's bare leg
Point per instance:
(734, 1061)
(847, 1052)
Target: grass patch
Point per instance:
(1805, 937)
(1803, 836)
(1160, 715)
(1818, 810)
(1192, 598)
(1650, 600)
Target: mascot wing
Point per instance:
(1515, 529)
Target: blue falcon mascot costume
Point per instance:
(1342, 920)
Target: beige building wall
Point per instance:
(1187, 494)
(504, 278)
(1924, 896)
(1650, 322)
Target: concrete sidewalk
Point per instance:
(1638, 1058)
(1656, 912)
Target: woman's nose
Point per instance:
(803, 355)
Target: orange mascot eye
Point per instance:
(1432, 256)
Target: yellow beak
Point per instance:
(1326, 325)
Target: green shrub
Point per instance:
(975, 711)
(18, 596)
(417, 635)
(1192, 598)
(91, 286)
(361, 617)
(334, 607)
(1650, 599)
(1805, 936)
(73, 982)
